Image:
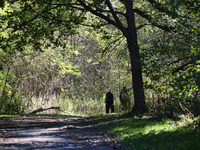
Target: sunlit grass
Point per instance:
(7, 116)
(143, 133)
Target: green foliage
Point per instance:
(126, 102)
(76, 71)
(26, 23)
(171, 61)
(12, 103)
(72, 62)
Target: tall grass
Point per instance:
(86, 106)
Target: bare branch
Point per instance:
(109, 45)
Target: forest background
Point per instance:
(50, 60)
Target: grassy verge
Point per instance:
(147, 133)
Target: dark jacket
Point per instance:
(110, 95)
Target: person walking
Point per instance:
(109, 101)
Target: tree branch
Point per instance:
(110, 21)
(193, 60)
(160, 8)
(173, 14)
(47, 108)
(149, 18)
(176, 61)
(111, 43)
(121, 27)
(141, 26)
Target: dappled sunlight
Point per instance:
(149, 133)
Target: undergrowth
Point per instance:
(74, 106)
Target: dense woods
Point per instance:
(67, 53)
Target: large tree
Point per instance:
(32, 22)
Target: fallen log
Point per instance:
(47, 108)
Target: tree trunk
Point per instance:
(136, 68)
(136, 77)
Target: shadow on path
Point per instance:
(53, 132)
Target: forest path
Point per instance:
(54, 133)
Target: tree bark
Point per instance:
(137, 81)
(135, 60)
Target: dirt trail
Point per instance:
(53, 133)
